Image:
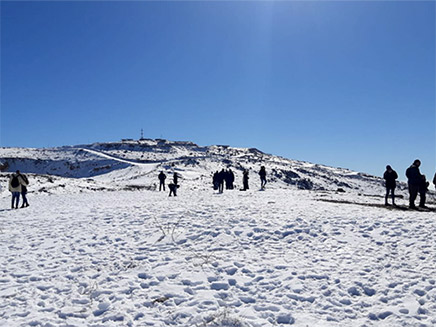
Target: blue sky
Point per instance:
(348, 84)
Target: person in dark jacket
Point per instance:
(423, 189)
(390, 177)
(173, 189)
(215, 180)
(162, 178)
(414, 180)
(221, 179)
(175, 179)
(24, 190)
(434, 180)
(231, 179)
(227, 178)
(245, 180)
(262, 174)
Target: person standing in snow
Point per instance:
(390, 177)
(434, 180)
(414, 180)
(231, 179)
(245, 180)
(173, 189)
(24, 191)
(423, 189)
(262, 174)
(175, 178)
(221, 179)
(215, 180)
(227, 179)
(162, 178)
(16, 182)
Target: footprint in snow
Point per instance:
(219, 286)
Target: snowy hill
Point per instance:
(136, 163)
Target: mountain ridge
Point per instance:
(140, 161)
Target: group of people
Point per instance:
(417, 184)
(226, 177)
(172, 186)
(18, 187)
(219, 180)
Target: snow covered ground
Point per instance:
(277, 257)
(99, 246)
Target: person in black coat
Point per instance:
(262, 174)
(390, 177)
(414, 180)
(231, 179)
(24, 191)
(215, 180)
(227, 178)
(245, 180)
(434, 180)
(221, 179)
(162, 178)
(173, 189)
(423, 189)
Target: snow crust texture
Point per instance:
(273, 258)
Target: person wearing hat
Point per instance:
(414, 181)
(390, 177)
